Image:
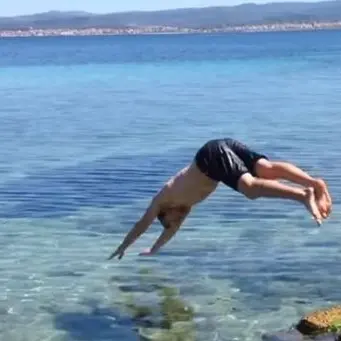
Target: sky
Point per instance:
(19, 7)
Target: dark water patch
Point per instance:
(146, 276)
(323, 244)
(303, 283)
(302, 301)
(108, 182)
(90, 234)
(99, 324)
(290, 335)
(197, 288)
(64, 273)
(237, 208)
(142, 287)
(4, 311)
(267, 275)
(158, 49)
(286, 278)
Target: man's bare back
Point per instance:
(238, 167)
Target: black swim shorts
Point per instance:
(226, 160)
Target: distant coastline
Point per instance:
(248, 17)
(274, 27)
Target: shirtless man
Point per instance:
(240, 168)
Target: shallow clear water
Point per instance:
(91, 127)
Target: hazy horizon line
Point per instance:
(166, 9)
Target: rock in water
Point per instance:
(321, 321)
(327, 337)
(295, 335)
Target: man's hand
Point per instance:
(119, 252)
(146, 252)
(139, 228)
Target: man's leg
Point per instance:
(273, 170)
(254, 188)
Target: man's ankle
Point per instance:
(319, 185)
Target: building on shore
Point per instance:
(34, 32)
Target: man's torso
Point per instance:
(188, 187)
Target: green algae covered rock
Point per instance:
(169, 318)
(173, 309)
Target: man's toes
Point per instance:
(326, 211)
(323, 206)
(317, 218)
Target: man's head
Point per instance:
(172, 216)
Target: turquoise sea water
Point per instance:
(91, 127)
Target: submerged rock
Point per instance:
(295, 335)
(327, 337)
(291, 335)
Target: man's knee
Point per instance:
(247, 186)
(264, 169)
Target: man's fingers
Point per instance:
(112, 255)
(120, 255)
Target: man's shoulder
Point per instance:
(162, 196)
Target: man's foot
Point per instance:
(311, 205)
(323, 199)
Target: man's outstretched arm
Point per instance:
(139, 228)
(166, 235)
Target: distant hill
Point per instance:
(208, 17)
